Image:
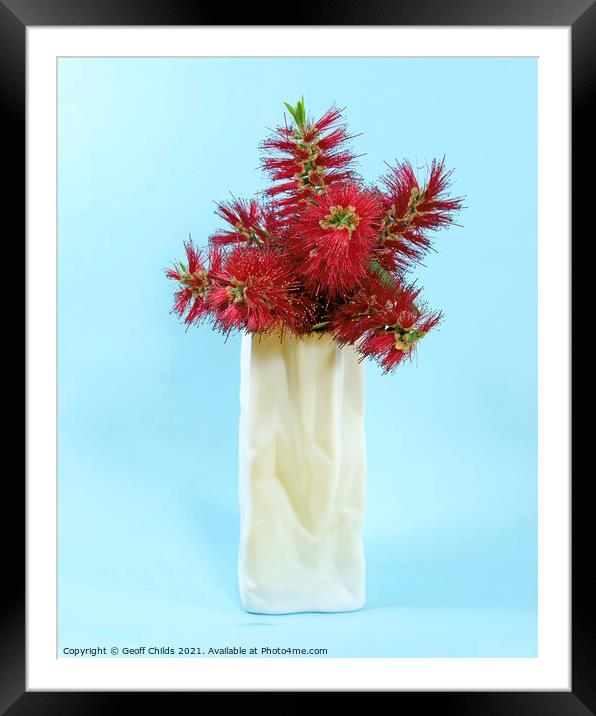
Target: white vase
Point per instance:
(302, 471)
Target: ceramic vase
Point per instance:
(302, 467)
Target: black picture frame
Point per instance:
(15, 16)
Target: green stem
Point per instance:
(318, 326)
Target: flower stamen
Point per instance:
(237, 291)
(340, 218)
(405, 340)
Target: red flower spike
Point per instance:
(194, 279)
(434, 208)
(307, 158)
(360, 314)
(409, 210)
(252, 224)
(396, 258)
(255, 289)
(395, 343)
(384, 322)
(333, 240)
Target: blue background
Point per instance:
(148, 413)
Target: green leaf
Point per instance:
(301, 112)
(298, 112)
(292, 111)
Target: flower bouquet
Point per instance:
(314, 272)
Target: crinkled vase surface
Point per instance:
(302, 475)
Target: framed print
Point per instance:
(360, 479)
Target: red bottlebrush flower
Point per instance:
(333, 239)
(307, 157)
(397, 257)
(255, 289)
(194, 279)
(252, 223)
(409, 210)
(321, 252)
(361, 313)
(384, 321)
